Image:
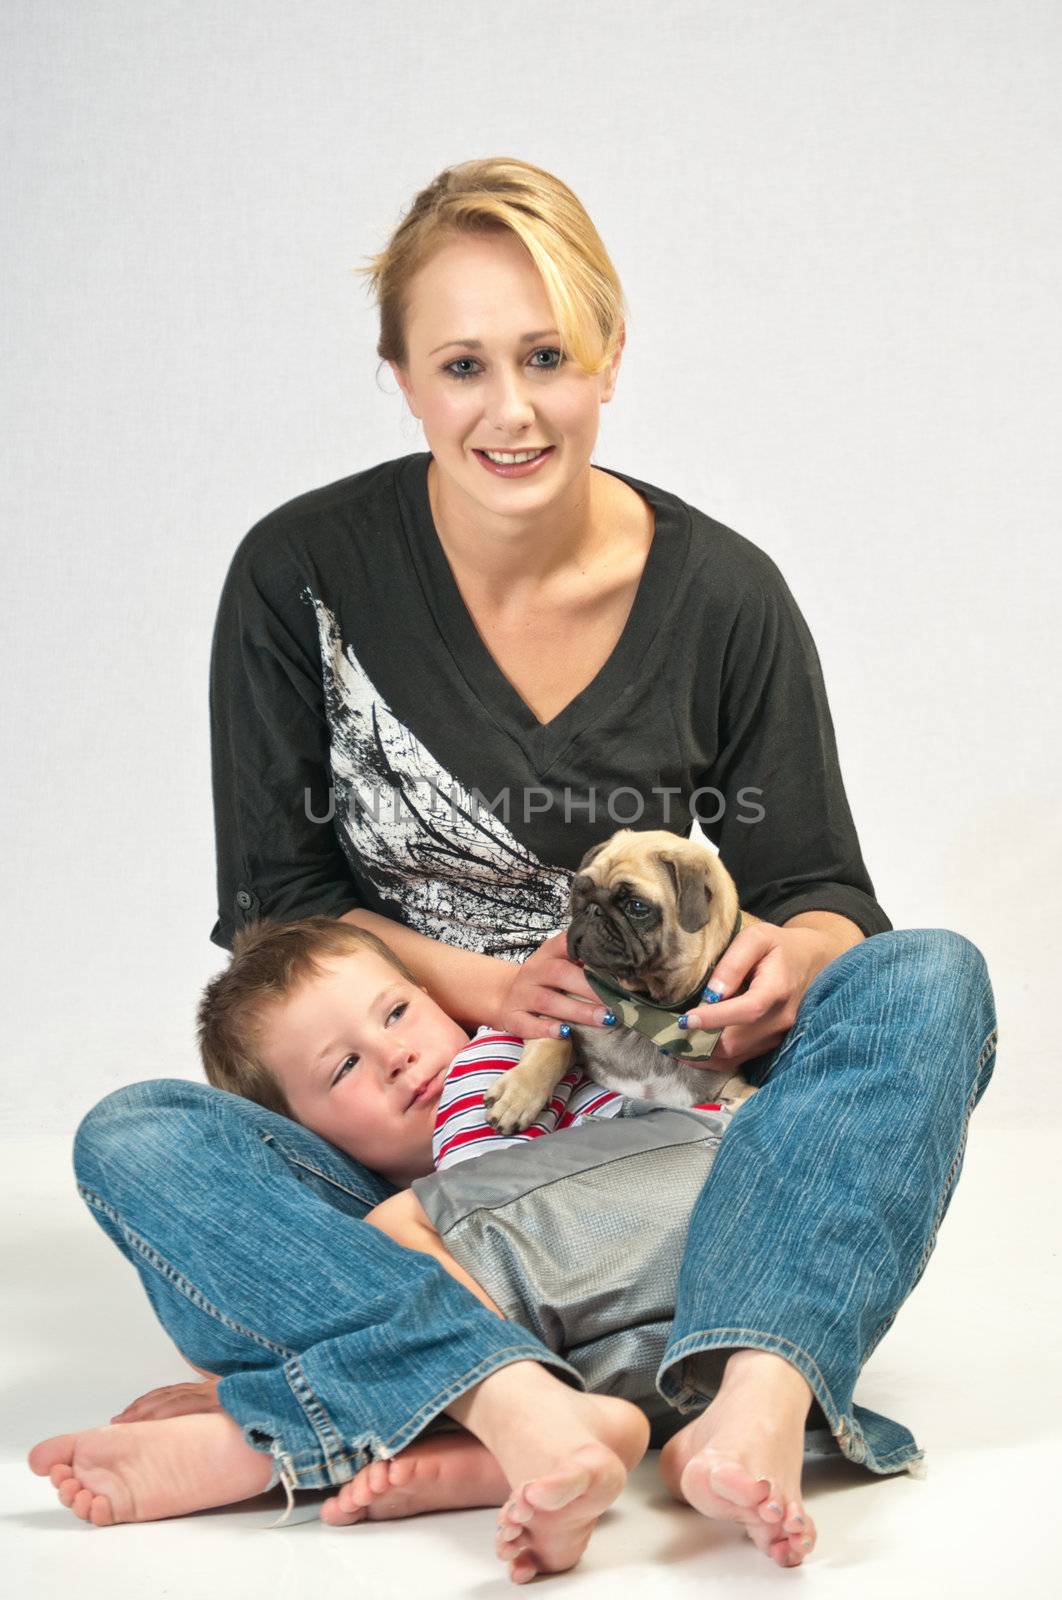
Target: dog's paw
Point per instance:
(735, 1092)
(511, 1105)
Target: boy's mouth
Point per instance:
(427, 1090)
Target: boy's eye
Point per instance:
(396, 1010)
(351, 1061)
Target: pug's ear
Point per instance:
(693, 894)
(591, 855)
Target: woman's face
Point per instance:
(477, 382)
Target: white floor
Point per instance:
(972, 1366)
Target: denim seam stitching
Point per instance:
(308, 1166)
(681, 1350)
(884, 1456)
(317, 1414)
(166, 1270)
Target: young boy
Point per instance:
(319, 1021)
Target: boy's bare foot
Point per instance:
(741, 1459)
(144, 1471)
(545, 1527)
(567, 1455)
(447, 1472)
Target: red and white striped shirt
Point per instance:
(461, 1126)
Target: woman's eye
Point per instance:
(467, 361)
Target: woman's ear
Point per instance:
(402, 379)
(614, 366)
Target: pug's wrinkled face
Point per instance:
(651, 911)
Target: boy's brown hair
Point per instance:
(270, 961)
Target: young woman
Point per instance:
(434, 685)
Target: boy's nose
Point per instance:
(403, 1057)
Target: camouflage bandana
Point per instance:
(657, 1022)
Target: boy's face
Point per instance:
(361, 1054)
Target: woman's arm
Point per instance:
(470, 987)
(529, 998)
(786, 833)
(797, 863)
(838, 933)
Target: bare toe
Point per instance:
(51, 1452)
(557, 1490)
(718, 1485)
(69, 1488)
(340, 1511)
(772, 1511)
(523, 1569)
(795, 1521)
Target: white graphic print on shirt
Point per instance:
(451, 868)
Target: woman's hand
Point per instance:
(174, 1400)
(778, 964)
(547, 990)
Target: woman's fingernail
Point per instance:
(609, 1019)
(683, 1021)
(565, 1030)
(712, 995)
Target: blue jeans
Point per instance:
(336, 1346)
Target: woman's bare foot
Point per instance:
(446, 1472)
(741, 1459)
(143, 1471)
(566, 1454)
(546, 1524)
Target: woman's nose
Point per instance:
(509, 405)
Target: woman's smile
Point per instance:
(514, 464)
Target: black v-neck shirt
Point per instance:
(367, 750)
(542, 743)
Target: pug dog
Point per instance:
(651, 915)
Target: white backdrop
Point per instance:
(837, 227)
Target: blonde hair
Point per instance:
(581, 284)
(270, 961)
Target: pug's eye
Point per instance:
(637, 908)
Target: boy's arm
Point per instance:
(403, 1219)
